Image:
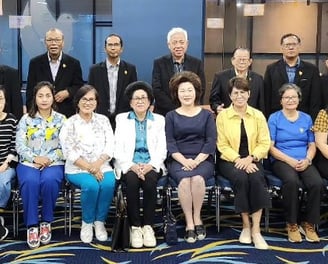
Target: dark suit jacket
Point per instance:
(9, 77)
(324, 90)
(306, 77)
(220, 94)
(69, 77)
(163, 70)
(98, 77)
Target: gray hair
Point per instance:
(176, 30)
(290, 86)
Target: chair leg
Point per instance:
(15, 204)
(70, 198)
(266, 219)
(217, 207)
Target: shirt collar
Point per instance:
(232, 113)
(297, 62)
(37, 115)
(108, 64)
(59, 58)
(149, 116)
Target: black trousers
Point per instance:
(133, 185)
(292, 180)
(251, 192)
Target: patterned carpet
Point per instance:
(222, 247)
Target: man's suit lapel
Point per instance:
(169, 65)
(62, 67)
(104, 76)
(122, 74)
(282, 71)
(45, 68)
(298, 73)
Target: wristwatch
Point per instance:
(309, 161)
(255, 159)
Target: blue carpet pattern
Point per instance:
(222, 247)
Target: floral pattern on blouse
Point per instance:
(37, 136)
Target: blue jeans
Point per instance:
(96, 197)
(6, 179)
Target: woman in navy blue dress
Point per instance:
(191, 136)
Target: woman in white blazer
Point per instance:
(140, 151)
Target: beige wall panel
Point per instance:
(282, 18)
(213, 37)
(213, 64)
(324, 29)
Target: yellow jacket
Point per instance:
(228, 128)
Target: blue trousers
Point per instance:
(96, 197)
(38, 184)
(6, 179)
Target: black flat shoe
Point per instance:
(190, 236)
(200, 232)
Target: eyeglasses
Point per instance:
(241, 59)
(290, 45)
(176, 43)
(88, 100)
(56, 40)
(143, 98)
(287, 98)
(239, 93)
(113, 45)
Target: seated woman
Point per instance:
(88, 145)
(191, 136)
(243, 140)
(40, 170)
(140, 151)
(320, 130)
(292, 150)
(8, 155)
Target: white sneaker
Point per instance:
(86, 233)
(100, 230)
(3, 230)
(136, 237)
(149, 239)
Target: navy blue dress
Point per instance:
(190, 136)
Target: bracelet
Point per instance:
(309, 160)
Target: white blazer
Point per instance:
(125, 141)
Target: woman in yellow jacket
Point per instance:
(243, 140)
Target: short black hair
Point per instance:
(114, 35)
(139, 85)
(289, 35)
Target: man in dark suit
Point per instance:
(166, 66)
(324, 87)
(241, 61)
(9, 78)
(62, 70)
(110, 78)
(291, 69)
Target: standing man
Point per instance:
(166, 66)
(9, 78)
(241, 61)
(60, 69)
(291, 69)
(110, 78)
(324, 87)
